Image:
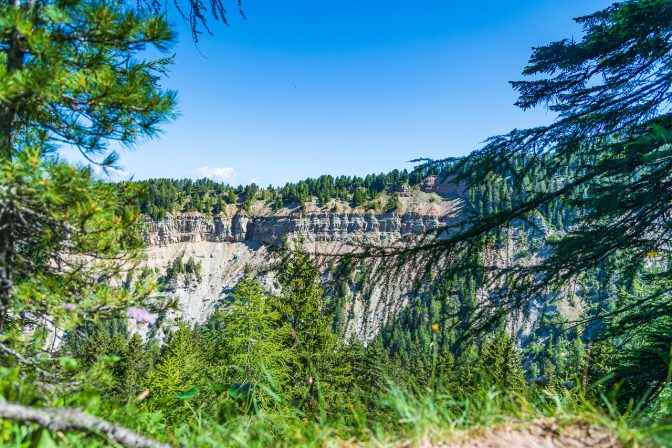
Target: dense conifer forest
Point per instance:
(211, 197)
(581, 208)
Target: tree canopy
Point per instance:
(608, 153)
(576, 209)
(196, 13)
(605, 163)
(72, 74)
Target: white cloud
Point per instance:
(218, 173)
(110, 173)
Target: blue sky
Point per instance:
(303, 88)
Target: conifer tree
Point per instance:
(131, 368)
(72, 73)
(180, 367)
(95, 346)
(606, 156)
(250, 341)
(468, 369)
(355, 356)
(301, 306)
(373, 374)
(501, 362)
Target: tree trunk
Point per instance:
(68, 419)
(9, 109)
(586, 369)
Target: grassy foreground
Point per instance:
(489, 417)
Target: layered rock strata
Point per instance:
(227, 245)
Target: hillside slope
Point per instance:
(226, 244)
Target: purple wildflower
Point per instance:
(142, 315)
(70, 307)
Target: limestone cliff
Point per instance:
(313, 227)
(225, 244)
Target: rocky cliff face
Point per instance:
(227, 244)
(224, 245)
(313, 227)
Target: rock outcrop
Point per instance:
(226, 245)
(314, 227)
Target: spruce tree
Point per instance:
(72, 73)
(374, 375)
(606, 158)
(501, 362)
(249, 342)
(131, 368)
(301, 306)
(180, 367)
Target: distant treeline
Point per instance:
(210, 197)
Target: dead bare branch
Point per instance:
(62, 419)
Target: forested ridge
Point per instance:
(210, 197)
(161, 196)
(550, 299)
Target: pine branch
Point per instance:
(61, 419)
(22, 359)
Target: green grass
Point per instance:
(401, 417)
(412, 418)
